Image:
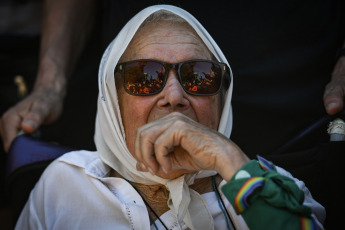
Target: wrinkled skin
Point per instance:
(172, 133)
(334, 95)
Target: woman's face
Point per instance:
(169, 43)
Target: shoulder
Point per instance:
(72, 170)
(87, 162)
(72, 192)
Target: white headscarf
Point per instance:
(187, 204)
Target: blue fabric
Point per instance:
(26, 150)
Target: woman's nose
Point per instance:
(173, 95)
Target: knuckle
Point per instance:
(35, 116)
(157, 146)
(6, 115)
(332, 89)
(180, 124)
(140, 130)
(176, 114)
(142, 133)
(9, 116)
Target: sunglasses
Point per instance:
(197, 77)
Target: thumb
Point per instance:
(33, 119)
(333, 99)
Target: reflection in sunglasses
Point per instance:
(146, 86)
(196, 82)
(146, 77)
(141, 79)
(200, 83)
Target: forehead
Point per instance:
(166, 41)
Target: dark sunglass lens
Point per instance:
(201, 77)
(144, 77)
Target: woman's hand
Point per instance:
(176, 142)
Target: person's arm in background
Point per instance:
(334, 95)
(66, 26)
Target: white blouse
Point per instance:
(75, 192)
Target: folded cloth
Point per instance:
(266, 198)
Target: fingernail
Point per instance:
(150, 170)
(139, 168)
(332, 105)
(30, 123)
(143, 167)
(164, 170)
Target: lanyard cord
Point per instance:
(147, 204)
(154, 223)
(153, 211)
(222, 205)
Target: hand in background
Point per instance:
(65, 29)
(42, 106)
(334, 95)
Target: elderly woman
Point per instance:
(162, 128)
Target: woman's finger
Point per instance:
(144, 143)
